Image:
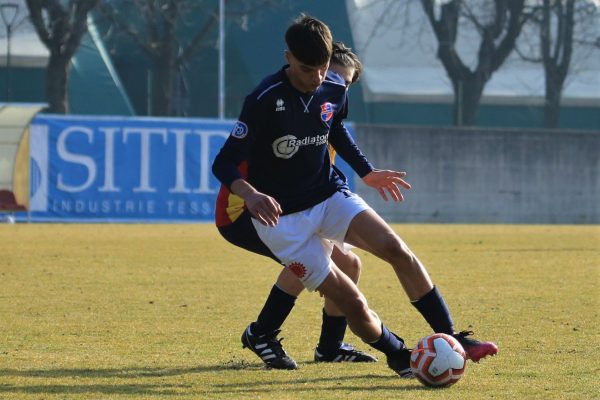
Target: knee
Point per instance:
(351, 302)
(357, 308)
(289, 283)
(396, 252)
(351, 266)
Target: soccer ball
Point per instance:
(438, 360)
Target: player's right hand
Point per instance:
(264, 208)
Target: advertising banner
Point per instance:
(103, 169)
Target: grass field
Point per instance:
(156, 312)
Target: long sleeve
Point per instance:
(344, 145)
(236, 149)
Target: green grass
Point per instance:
(156, 312)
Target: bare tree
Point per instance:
(60, 28)
(561, 25)
(556, 58)
(498, 27)
(157, 29)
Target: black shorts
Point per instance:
(242, 234)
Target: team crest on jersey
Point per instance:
(240, 130)
(326, 111)
(298, 269)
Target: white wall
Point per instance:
(484, 175)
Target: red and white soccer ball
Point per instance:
(438, 360)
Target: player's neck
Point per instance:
(296, 84)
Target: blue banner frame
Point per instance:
(124, 169)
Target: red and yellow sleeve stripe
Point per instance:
(229, 206)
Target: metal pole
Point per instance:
(8, 36)
(149, 91)
(221, 59)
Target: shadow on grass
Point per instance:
(287, 382)
(158, 389)
(298, 383)
(373, 383)
(108, 389)
(135, 372)
(394, 386)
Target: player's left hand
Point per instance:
(384, 180)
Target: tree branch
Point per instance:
(199, 37)
(567, 39)
(112, 16)
(37, 19)
(515, 23)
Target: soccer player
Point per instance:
(234, 223)
(300, 205)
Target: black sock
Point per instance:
(388, 343)
(435, 311)
(278, 306)
(333, 330)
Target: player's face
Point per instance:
(347, 73)
(305, 78)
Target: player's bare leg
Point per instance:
(331, 347)
(261, 336)
(348, 263)
(370, 232)
(340, 289)
(351, 266)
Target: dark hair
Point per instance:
(309, 40)
(344, 56)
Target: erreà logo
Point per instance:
(279, 105)
(326, 111)
(288, 145)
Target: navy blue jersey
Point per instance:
(282, 135)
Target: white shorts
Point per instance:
(303, 241)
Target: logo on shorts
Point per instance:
(298, 269)
(240, 130)
(326, 111)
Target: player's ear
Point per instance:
(286, 54)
